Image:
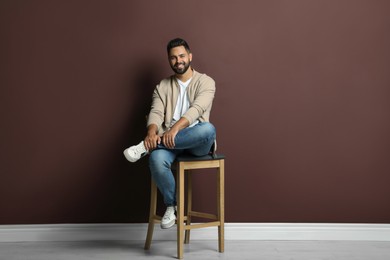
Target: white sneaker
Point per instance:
(169, 218)
(135, 152)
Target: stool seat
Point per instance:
(188, 158)
(185, 166)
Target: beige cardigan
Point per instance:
(201, 91)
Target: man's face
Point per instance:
(179, 59)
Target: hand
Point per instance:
(151, 141)
(168, 138)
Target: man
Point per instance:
(178, 123)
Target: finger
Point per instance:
(171, 142)
(155, 143)
(168, 142)
(149, 146)
(152, 145)
(146, 144)
(164, 140)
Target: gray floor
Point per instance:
(202, 250)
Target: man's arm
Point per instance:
(202, 101)
(154, 119)
(152, 139)
(168, 137)
(156, 114)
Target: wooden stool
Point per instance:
(183, 165)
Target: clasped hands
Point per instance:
(168, 139)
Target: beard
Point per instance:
(182, 69)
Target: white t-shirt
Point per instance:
(183, 103)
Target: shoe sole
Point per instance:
(130, 159)
(168, 225)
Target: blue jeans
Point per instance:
(196, 140)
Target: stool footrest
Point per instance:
(202, 215)
(157, 218)
(202, 225)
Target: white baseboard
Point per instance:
(233, 231)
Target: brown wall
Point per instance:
(302, 107)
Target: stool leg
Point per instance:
(152, 214)
(221, 207)
(189, 206)
(180, 209)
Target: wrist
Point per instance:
(152, 130)
(175, 128)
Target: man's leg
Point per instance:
(196, 140)
(160, 162)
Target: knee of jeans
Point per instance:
(209, 129)
(158, 161)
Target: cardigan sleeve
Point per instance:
(203, 99)
(156, 114)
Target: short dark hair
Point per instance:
(176, 43)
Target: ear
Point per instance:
(190, 56)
